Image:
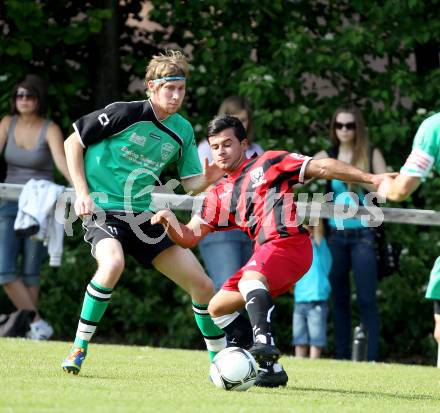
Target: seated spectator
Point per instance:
(31, 144)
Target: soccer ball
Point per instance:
(233, 369)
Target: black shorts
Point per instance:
(137, 236)
(437, 307)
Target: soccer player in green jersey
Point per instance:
(425, 156)
(115, 157)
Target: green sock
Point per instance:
(214, 337)
(96, 300)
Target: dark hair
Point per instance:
(222, 122)
(36, 86)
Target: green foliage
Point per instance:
(296, 61)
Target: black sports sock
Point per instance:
(239, 333)
(259, 306)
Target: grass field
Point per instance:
(144, 379)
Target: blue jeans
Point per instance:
(354, 248)
(32, 251)
(310, 324)
(224, 253)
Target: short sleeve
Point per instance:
(103, 123)
(295, 164)
(189, 163)
(209, 211)
(425, 151)
(215, 209)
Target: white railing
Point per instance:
(311, 209)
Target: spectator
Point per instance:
(311, 295)
(234, 244)
(352, 245)
(32, 145)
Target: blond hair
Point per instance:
(170, 63)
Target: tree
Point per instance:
(295, 60)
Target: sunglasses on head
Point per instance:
(27, 95)
(348, 125)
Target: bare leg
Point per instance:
(181, 266)
(301, 351)
(437, 336)
(111, 262)
(20, 295)
(225, 302)
(34, 291)
(315, 352)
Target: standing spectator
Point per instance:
(32, 145)
(425, 156)
(234, 244)
(311, 295)
(351, 243)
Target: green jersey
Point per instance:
(126, 149)
(425, 156)
(425, 153)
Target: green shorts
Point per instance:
(433, 290)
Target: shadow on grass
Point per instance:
(371, 394)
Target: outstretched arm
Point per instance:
(187, 236)
(400, 188)
(330, 168)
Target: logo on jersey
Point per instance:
(257, 177)
(166, 150)
(103, 119)
(138, 139)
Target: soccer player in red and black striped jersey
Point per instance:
(257, 197)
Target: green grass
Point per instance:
(144, 379)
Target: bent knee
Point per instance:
(113, 266)
(203, 289)
(215, 308)
(218, 308)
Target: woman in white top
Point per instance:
(224, 253)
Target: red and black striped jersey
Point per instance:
(258, 197)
